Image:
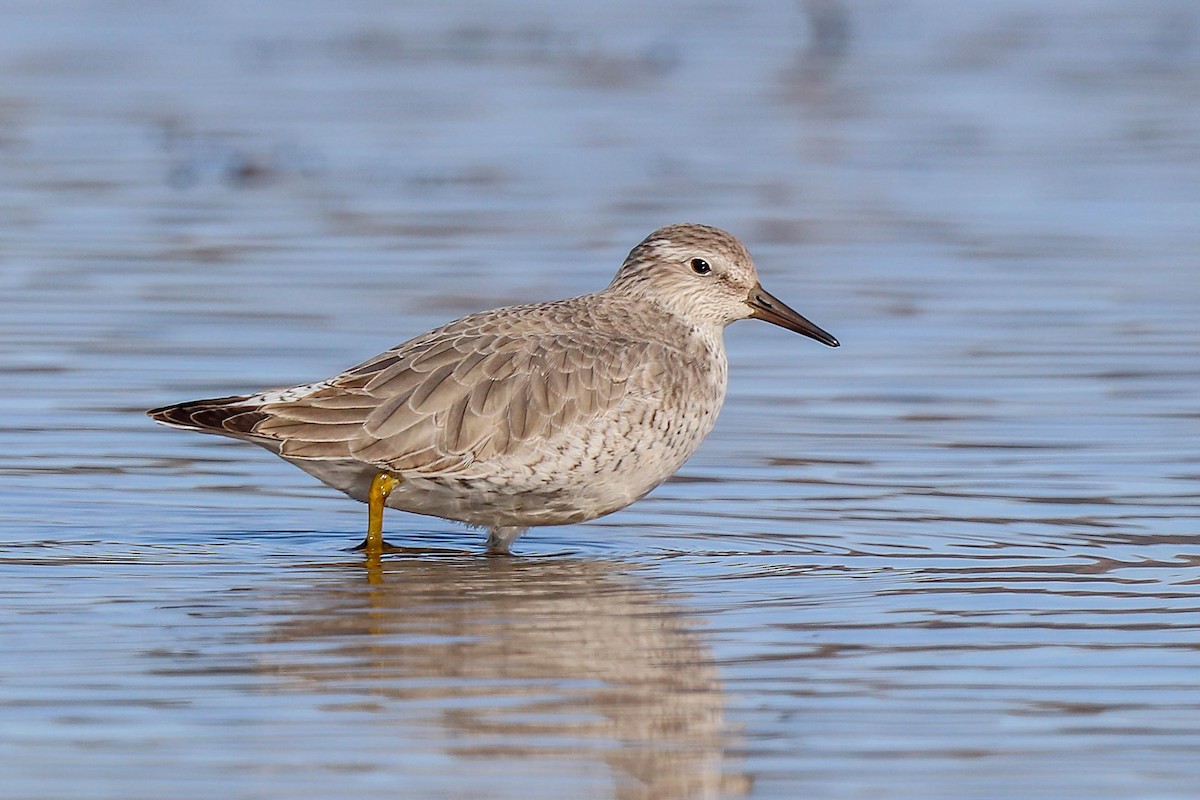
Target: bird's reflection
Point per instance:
(523, 659)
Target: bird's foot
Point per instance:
(384, 547)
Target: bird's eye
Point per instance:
(700, 266)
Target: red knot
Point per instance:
(541, 414)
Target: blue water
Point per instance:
(957, 557)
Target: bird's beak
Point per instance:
(766, 307)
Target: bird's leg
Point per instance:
(500, 539)
(381, 486)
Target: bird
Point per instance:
(548, 413)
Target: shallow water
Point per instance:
(957, 557)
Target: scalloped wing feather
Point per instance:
(457, 397)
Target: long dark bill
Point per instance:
(770, 309)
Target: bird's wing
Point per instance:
(462, 395)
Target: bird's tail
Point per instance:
(229, 416)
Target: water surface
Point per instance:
(957, 557)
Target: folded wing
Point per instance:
(441, 402)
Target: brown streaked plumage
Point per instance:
(541, 414)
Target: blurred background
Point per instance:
(956, 557)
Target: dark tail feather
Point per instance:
(225, 415)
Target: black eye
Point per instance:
(700, 266)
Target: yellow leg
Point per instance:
(381, 486)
